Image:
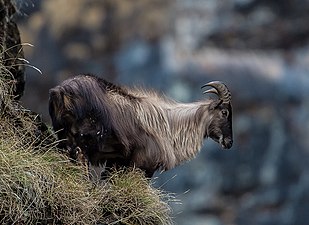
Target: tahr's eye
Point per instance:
(225, 112)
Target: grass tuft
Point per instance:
(144, 206)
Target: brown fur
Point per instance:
(132, 126)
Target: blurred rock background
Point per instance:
(259, 48)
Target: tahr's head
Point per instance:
(220, 113)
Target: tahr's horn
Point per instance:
(220, 89)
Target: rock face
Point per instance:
(259, 48)
(12, 79)
(11, 48)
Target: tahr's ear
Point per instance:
(215, 104)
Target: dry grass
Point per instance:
(44, 187)
(132, 200)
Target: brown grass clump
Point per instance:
(132, 200)
(39, 185)
(46, 188)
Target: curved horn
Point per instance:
(222, 90)
(212, 90)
